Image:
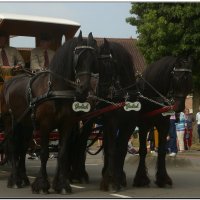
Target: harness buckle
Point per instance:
(126, 97)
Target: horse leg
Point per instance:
(61, 183)
(13, 149)
(22, 170)
(78, 171)
(141, 178)
(110, 139)
(162, 178)
(104, 185)
(27, 136)
(120, 154)
(119, 176)
(41, 183)
(109, 143)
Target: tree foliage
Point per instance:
(168, 29)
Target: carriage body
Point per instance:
(32, 26)
(16, 25)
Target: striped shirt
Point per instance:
(198, 118)
(180, 126)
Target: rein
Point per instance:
(158, 111)
(156, 91)
(98, 112)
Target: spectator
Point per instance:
(180, 131)
(151, 140)
(198, 123)
(41, 56)
(131, 148)
(172, 137)
(189, 119)
(10, 58)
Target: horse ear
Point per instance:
(90, 36)
(80, 38)
(91, 41)
(106, 44)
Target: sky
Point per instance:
(103, 19)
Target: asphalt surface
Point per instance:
(184, 170)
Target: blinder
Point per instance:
(78, 51)
(113, 86)
(171, 91)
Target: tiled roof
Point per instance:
(130, 45)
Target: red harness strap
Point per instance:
(119, 105)
(100, 111)
(158, 111)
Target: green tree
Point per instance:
(169, 29)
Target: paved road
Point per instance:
(184, 170)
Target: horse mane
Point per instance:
(158, 74)
(62, 62)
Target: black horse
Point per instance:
(165, 82)
(116, 84)
(44, 102)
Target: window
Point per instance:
(22, 41)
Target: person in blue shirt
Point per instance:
(180, 131)
(172, 143)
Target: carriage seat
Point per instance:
(26, 54)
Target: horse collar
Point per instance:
(181, 70)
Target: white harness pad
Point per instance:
(78, 106)
(136, 106)
(170, 112)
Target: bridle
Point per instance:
(108, 86)
(171, 92)
(114, 88)
(78, 51)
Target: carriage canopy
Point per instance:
(29, 25)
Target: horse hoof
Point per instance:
(162, 185)
(44, 192)
(141, 182)
(116, 189)
(25, 183)
(64, 191)
(15, 186)
(104, 186)
(163, 182)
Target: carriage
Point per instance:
(118, 91)
(24, 30)
(29, 29)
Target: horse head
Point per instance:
(181, 81)
(107, 70)
(115, 70)
(84, 63)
